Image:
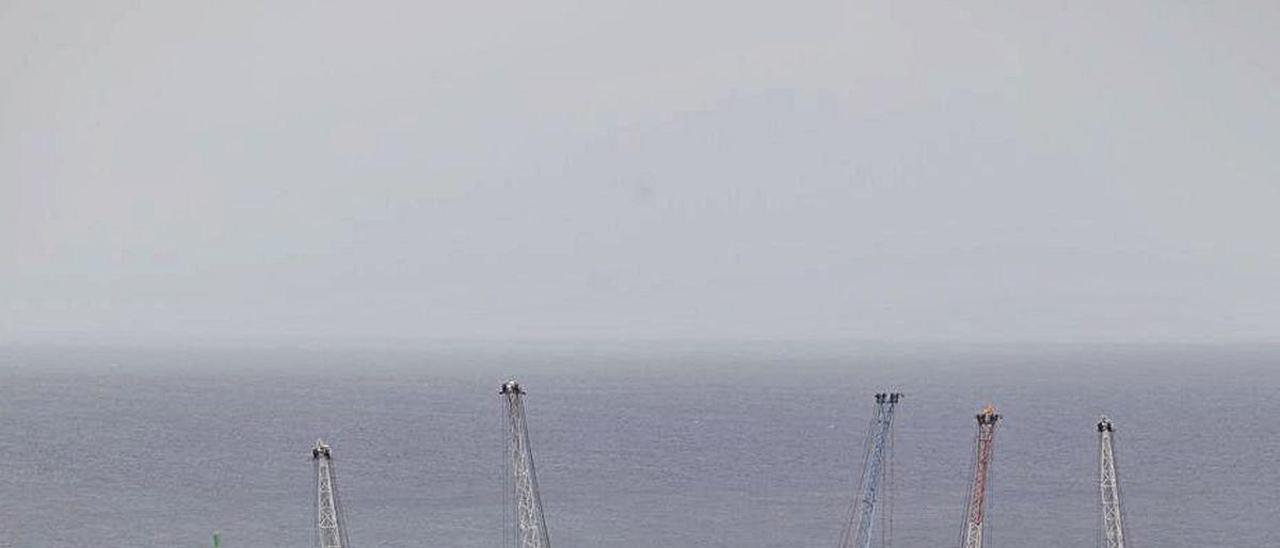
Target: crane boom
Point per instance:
(329, 522)
(530, 526)
(858, 532)
(1112, 525)
(975, 510)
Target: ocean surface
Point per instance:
(637, 445)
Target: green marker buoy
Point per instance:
(217, 540)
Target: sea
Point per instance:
(637, 443)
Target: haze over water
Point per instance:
(213, 184)
(637, 445)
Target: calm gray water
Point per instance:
(752, 445)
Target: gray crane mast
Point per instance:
(329, 522)
(530, 525)
(1112, 524)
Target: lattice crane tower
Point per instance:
(877, 454)
(975, 509)
(1112, 525)
(530, 525)
(329, 520)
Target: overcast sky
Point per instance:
(232, 170)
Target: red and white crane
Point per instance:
(975, 510)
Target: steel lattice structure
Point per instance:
(329, 523)
(858, 531)
(530, 525)
(975, 509)
(1112, 525)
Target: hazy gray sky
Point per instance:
(174, 170)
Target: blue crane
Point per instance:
(858, 531)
